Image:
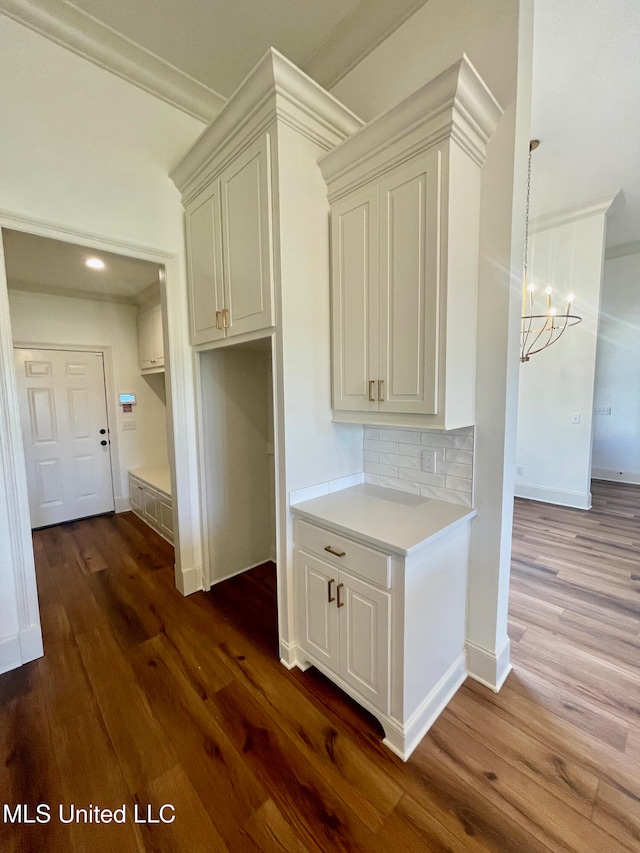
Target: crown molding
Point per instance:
(70, 292)
(598, 207)
(622, 250)
(456, 103)
(358, 35)
(274, 88)
(87, 37)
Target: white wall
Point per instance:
(46, 319)
(558, 382)
(497, 37)
(90, 154)
(616, 437)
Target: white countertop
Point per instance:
(388, 518)
(157, 476)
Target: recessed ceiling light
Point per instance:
(95, 263)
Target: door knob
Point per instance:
(102, 431)
(103, 443)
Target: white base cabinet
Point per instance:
(150, 499)
(388, 628)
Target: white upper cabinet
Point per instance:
(204, 258)
(229, 250)
(240, 181)
(246, 241)
(150, 340)
(405, 202)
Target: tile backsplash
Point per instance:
(393, 458)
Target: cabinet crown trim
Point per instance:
(456, 103)
(275, 77)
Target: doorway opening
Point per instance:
(77, 318)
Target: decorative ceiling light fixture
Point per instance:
(539, 331)
(95, 263)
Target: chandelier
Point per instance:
(542, 324)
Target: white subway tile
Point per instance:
(371, 456)
(458, 484)
(372, 479)
(421, 477)
(464, 442)
(461, 498)
(408, 436)
(455, 470)
(434, 492)
(402, 461)
(380, 446)
(376, 468)
(399, 485)
(454, 454)
(410, 449)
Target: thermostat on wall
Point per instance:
(127, 399)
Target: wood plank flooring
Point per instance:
(146, 698)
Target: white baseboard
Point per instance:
(616, 476)
(404, 739)
(487, 667)
(20, 649)
(188, 581)
(578, 500)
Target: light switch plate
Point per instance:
(128, 425)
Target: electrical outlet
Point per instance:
(519, 469)
(429, 461)
(128, 425)
(602, 410)
(575, 418)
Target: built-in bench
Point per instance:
(150, 497)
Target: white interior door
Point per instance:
(63, 415)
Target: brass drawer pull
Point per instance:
(225, 318)
(371, 383)
(335, 553)
(218, 321)
(330, 597)
(380, 394)
(340, 603)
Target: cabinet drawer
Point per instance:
(359, 559)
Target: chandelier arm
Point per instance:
(553, 341)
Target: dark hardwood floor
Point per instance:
(145, 698)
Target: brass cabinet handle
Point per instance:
(330, 597)
(380, 395)
(340, 603)
(218, 313)
(225, 318)
(335, 553)
(371, 382)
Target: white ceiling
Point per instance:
(44, 265)
(193, 53)
(586, 109)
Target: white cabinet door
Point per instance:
(245, 188)
(409, 266)
(317, 610)
(354, 241)
(145, 340)
(204, 258)
(135, 496)
(364, 639)
(150, 503)
(157, 336)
